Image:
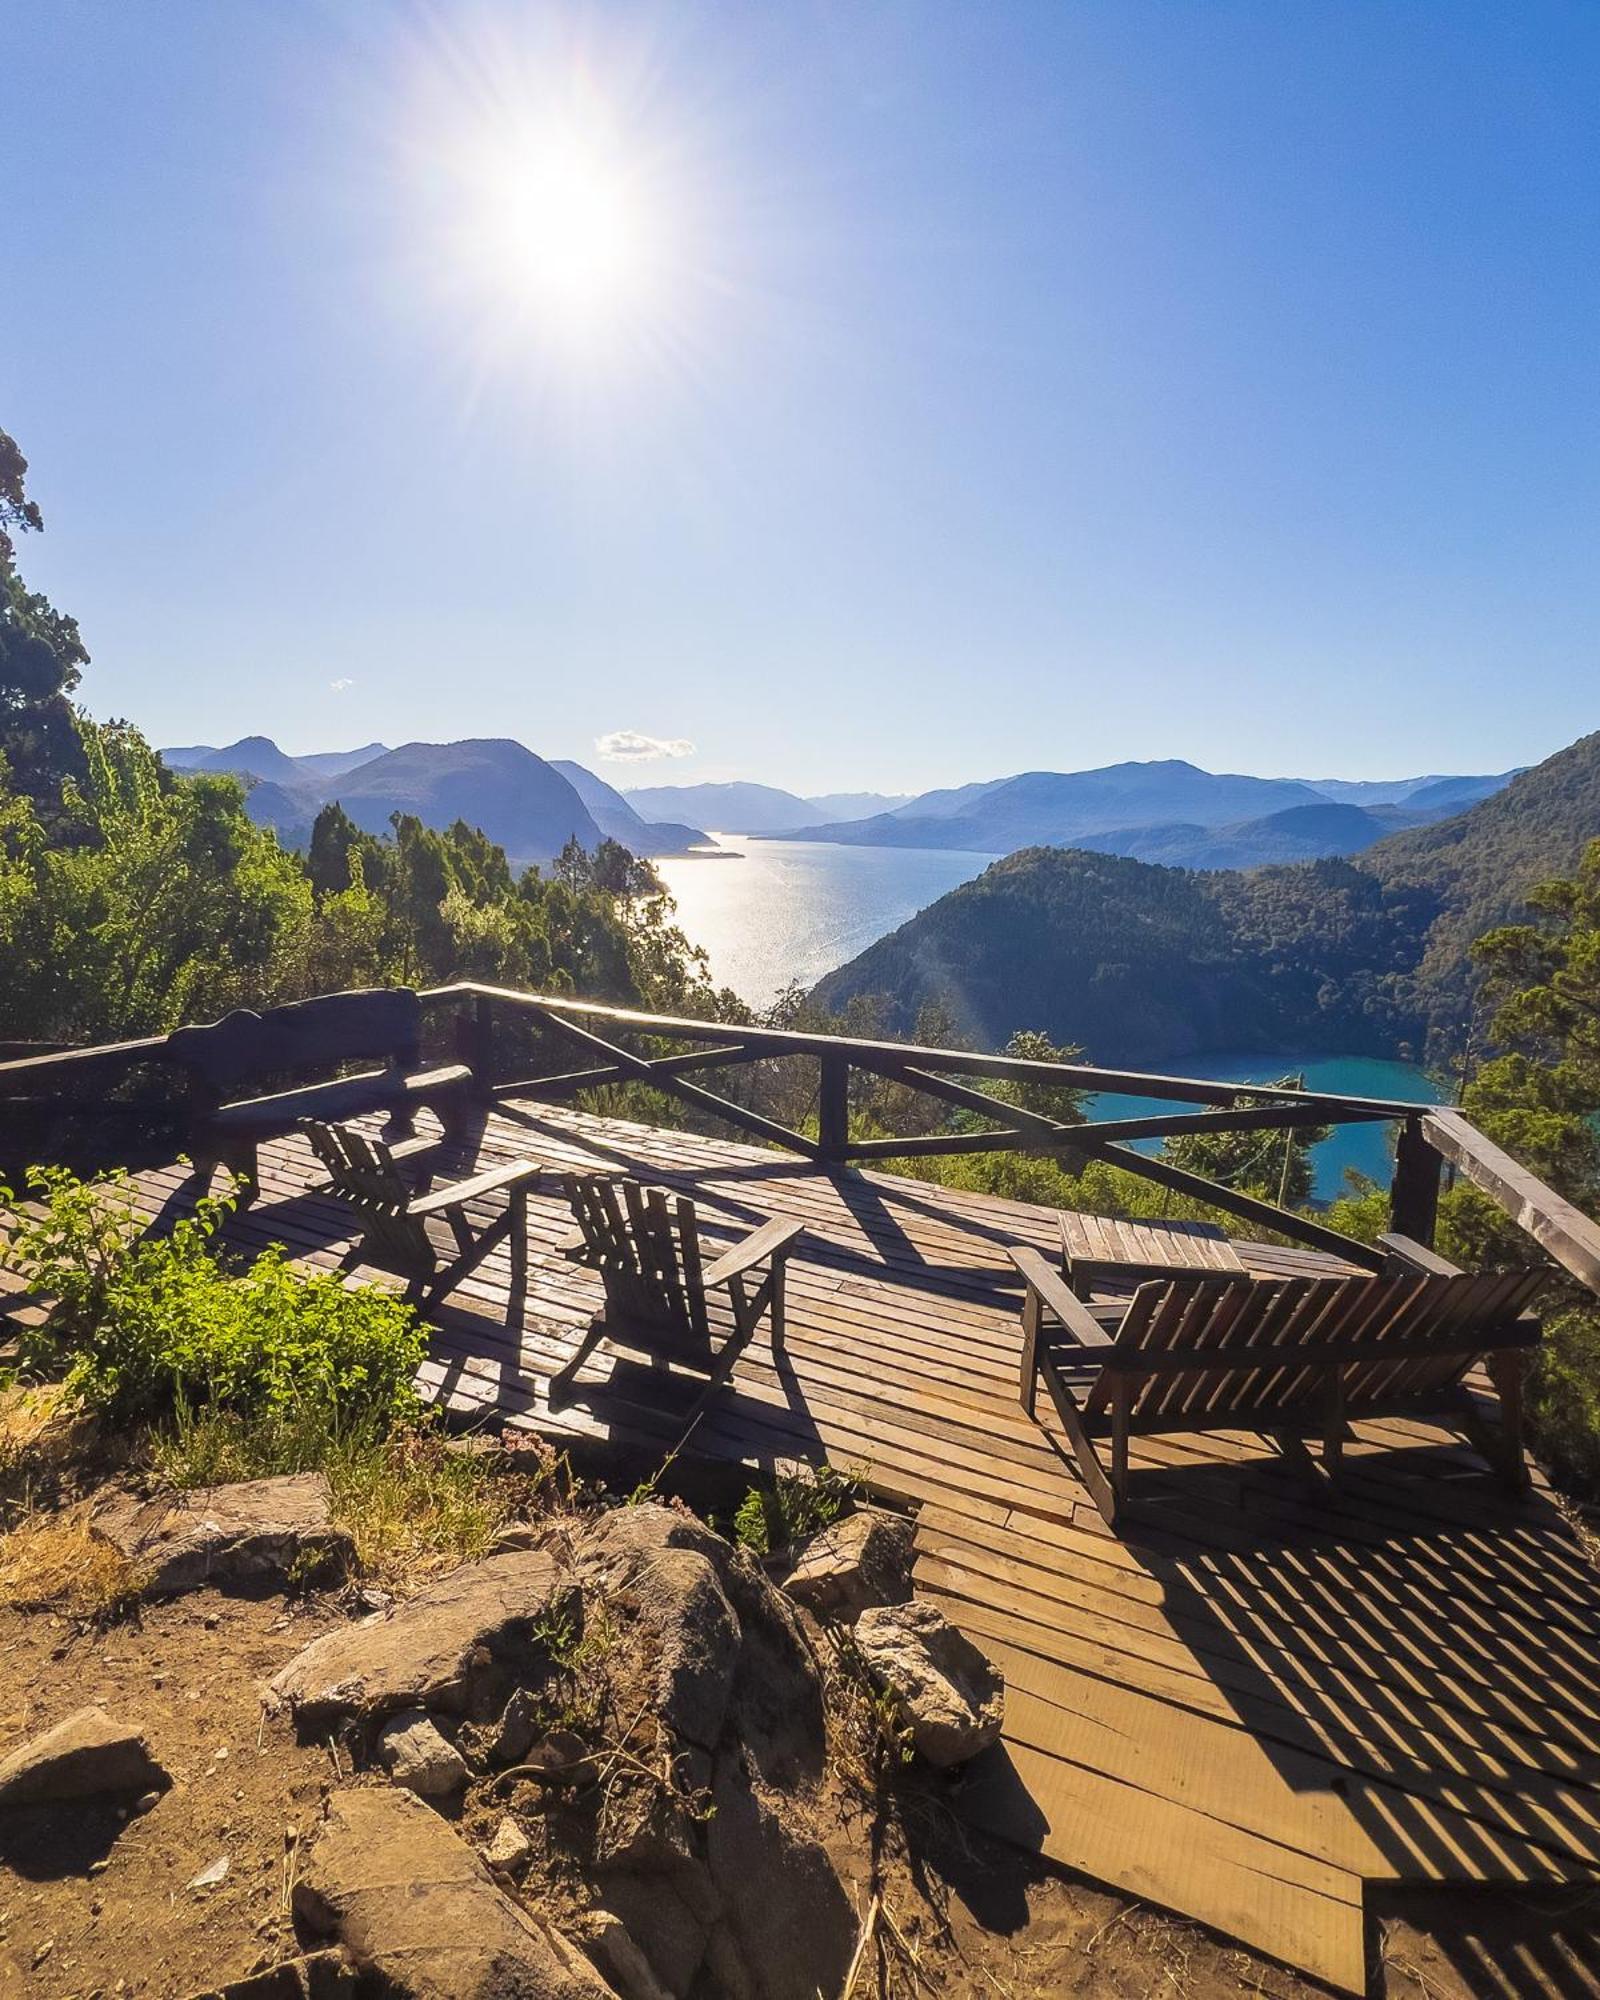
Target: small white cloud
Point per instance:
(629, 746)
(339, 686)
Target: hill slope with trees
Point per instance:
(1140, 963)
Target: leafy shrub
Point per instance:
(1564, 1401)
(160, 1326)
(793, 1508)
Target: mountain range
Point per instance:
(1141, 963)
(1167, 811)
(527, 805)
(748, 808)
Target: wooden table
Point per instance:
(1095, 1248)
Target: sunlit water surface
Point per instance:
(793, 910)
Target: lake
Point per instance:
(1363, 1148)
(794, 909)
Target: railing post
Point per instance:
(475, 1042)
(833, 1105)
(1414, 1195)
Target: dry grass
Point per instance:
(415, 1506)
(55, 1561)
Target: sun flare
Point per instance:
(559, 226)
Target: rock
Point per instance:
(511, 1848)
(864, 1559)
(519, 1725)
(415, 1755)
(667, 1586)
(82, 1757)
(420, 1914)
(787, 1919)
(623, 1960)
(440, 1650)
(954, 1698)
(323, 1975)
(211, 1877)
(258, 1531)
(516, 1535)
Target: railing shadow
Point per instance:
(1417, 1644)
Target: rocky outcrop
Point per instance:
(86, 1756)
(416, 1756)
(421, 1915)
(954, 1699)
(260, 1532)
(726, 1887)
(457, 1648)
(863, 1560)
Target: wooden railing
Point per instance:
(1428, 1136)
(484, 1022)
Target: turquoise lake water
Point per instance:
(788, 909)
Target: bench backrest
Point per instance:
(1213, 1348)
(646, 1246)
(382, 1023)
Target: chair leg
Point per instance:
(1334, 1430)
(241, 1159)
(1121, 1403)
(1028, 1382)
(1102, 1490)
(775, 1298)
(519, 1241)
(1508, 1372)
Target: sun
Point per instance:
(554, 220)
(558, 226)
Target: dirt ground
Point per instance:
(99, 1902)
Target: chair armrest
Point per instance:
(442, 1199)
(1402, 1255)
(574, 1246)
(1052, 1288)
(772, 1240)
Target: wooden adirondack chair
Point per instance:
(645, 1245)
(1288, 1357)
(366, 1173)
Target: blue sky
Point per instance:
(986, 388)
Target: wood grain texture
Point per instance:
(1245, 1708)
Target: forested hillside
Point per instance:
(1144, 964)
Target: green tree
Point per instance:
(167, 904)
(1274, 1166)
(41, 656)
(1540, 1099)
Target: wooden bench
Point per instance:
(379, 1023)
(1286, 1357)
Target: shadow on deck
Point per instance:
(1251, 1707)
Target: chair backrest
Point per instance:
(363, 1172)
(1207, 1348)
(374, 1023)
(646, 1246)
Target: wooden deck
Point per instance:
(1248, 1706)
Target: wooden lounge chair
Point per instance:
(645, 1245)
(1288, 1357)
(366, 1173)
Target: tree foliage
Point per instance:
(41, 655)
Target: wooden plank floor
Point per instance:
(1247, 1707)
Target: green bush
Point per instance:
(158, 1327)
(1564, 1401)
(793, 1508)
